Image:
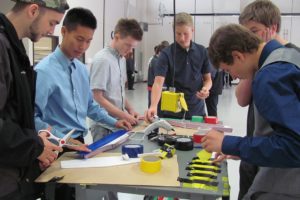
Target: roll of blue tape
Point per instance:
(132, 150)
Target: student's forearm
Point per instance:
(155, 94)
(128, 107)
(109, 107)
(272, 151)
(207, 82)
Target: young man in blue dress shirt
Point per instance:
(63, 98)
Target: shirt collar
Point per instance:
(267, 50)
(114, 52)
(192, 47)
(64, 60)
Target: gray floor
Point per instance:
(229, 112)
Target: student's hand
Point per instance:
(49, 153)
(203, 93)
(131, 118)
(134, 114)
(220, 157)
(212, 141)
(123, 124)
(77, 145)
(150, 113)
(43, 166)
(266, 35)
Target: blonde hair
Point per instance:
(184, 19)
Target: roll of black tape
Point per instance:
(169, 139)
(184, 144)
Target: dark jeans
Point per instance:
(130, 78)
(65, 191)
(211, 104)
(247, 170)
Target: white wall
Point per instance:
(161, 28)
(97, 8)
(289, 24)
(204, 25)
(5, 6)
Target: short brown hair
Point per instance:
(262, 11)
(160, 47)
(183, 19)
(232, 37)
(129, 27)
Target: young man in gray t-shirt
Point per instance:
(108, 75)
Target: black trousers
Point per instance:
(247, 175)
(247, 170)
(211, 104)
(65, 191)
(130, 78)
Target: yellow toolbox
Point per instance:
(173, 102)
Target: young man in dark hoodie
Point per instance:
(23, 152)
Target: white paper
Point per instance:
(97, 162)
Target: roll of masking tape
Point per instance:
(150, 164)
(132, 150)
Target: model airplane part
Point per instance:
(198, 125)
(158, 123)
(106, 143)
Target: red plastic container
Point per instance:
(211, 119)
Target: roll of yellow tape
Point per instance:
(150, 164)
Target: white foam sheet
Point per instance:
(97, 162)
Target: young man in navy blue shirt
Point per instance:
(190, 73)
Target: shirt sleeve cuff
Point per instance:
(230, 145)
(111, 121)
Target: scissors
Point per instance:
(62, 142)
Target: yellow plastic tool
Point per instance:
(204, 155)
(173, 102)
(150, 164)
(167, 151)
